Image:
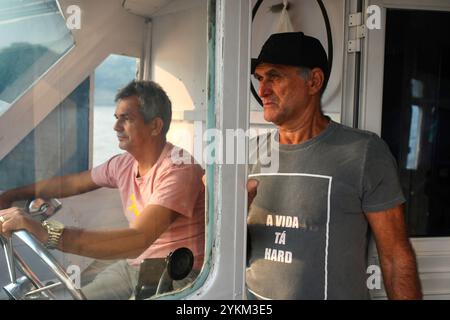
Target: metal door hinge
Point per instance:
(355, 20)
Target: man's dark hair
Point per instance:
(153, 101)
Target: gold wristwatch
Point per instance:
(55, 230)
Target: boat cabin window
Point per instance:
(67, 125)
(416, 115)
(115, 72)
(34, 36)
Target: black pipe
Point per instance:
(252, 88)
(329, 37)
(357, 86)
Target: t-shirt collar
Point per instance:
(149, 173)
(276, 139)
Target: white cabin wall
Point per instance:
(179, 65)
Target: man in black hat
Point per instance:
(309, 221)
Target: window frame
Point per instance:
(433, 253)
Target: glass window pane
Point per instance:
(58, 145)
(114, 73)
(416, 115)
(33, 36)
(62, 143)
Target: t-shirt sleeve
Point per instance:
(178, 188)
(381, 189)
(104, 175)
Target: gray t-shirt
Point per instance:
(307, 230)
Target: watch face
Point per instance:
(54, 224)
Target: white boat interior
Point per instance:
(62, 62)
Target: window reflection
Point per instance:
(33, 36)
(414, 138)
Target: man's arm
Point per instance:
(108, 244)
(59, 187)
(397, 258)
(252, 189)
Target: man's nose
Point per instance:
(264, 89)
(117, 126)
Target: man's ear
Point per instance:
(317, 81)
(157, 126)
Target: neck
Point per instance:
(148, 156)
(309, 125)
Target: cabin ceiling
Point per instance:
(145, 8)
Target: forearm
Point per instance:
(58, 187)
(400, 275)
(103, 244)
(99, 244)
(17, 194)
(111, 244)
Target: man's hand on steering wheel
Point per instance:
(14, 219)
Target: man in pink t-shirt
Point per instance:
(177, 187)
(163, 199)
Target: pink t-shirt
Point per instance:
(174, 186)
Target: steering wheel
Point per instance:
(29, 286)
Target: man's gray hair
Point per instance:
(305, 73)
(153, 101)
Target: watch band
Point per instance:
(55, 230)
